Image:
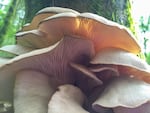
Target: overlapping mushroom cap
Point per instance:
(82, 49)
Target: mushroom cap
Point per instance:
(69, 99)
(34, 39)
(56, 10)
(44, 13)
(127, 63)
(3, 60)
(15, 49)
(102, 32)
(141, 109)
(10, 51)
(124, 91)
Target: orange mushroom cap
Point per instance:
(102, 32)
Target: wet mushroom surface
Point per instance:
(70, 62)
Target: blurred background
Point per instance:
(134, 14)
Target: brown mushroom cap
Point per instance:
(102, 32)
(34, 39)
(44, 13)
(128, 63)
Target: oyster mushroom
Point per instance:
(62, 47)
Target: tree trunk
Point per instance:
(7, 21)
(116, 10)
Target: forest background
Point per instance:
(15, 13)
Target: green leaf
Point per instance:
(147, 55)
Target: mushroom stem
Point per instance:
(68, 99)
(32, 92)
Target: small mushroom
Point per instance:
(68, 99)
(127, 63)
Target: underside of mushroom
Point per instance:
(70, 62)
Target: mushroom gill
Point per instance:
(83, 52)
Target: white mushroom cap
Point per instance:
(3, 60)
(56, 10)
(128, 63)
(68, 99)
(15, 49)
(124, 91)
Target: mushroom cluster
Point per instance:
(70, 62)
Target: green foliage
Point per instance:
(147, 55)
(10, 22)
(144, 24)
(145, 27)
(2, 15)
